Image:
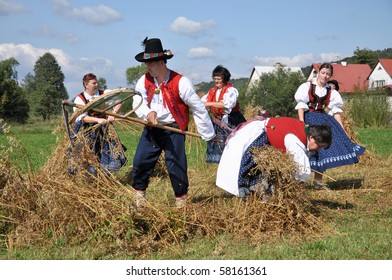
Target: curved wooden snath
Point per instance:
(115, 97)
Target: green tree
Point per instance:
(13, 103)
(275, 92)
(134, 73)
(385, 53)
(102, 84)
(48, 87)
(365, 56)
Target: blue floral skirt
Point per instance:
(342, 150)
(222, 130)
(247, 181)
(109, 151)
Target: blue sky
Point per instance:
(104, 36)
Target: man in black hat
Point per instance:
(167, 98)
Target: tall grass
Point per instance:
(38, 140)
(370, 111)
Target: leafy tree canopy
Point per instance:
(274, 92)
(13, 103)
(102, 83)
(47, 87)
(134, 73)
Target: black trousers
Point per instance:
(151, 144)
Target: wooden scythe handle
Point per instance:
(131, 119)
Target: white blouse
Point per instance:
(230, 163)
(229, 100)
(164, 117)
(80, 101)
(301, 96)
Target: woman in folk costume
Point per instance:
(167, 98)
(290, 135)
(318, 103)
(222, 101)
(95, 126)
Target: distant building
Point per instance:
(349, 76)
(381, 75)
(260, 70)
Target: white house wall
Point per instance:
(379, 74)
(260, 70)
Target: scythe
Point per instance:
(66, 122)
(110, 99)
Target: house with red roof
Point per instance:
(381, 75)
(351, 77)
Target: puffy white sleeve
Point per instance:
(335, 103)
(199, 111)
(302, 97)
(230, 99)
(79, 101)
(296, 148)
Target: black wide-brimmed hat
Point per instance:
(153, 51)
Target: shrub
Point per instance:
(370, 110)
(275, 92)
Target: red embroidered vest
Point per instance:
(316, 103)
(171, 98)
(211, 97)
(91, 113)
(277, 128)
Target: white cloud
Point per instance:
(72, 68)
(7, 7)
(99, 14)
(301, 60)
(200, 52)
(185, 26)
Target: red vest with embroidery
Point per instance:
(316, 103)
(211, 97)
(171, 98)
(277, 129)
(91, 113)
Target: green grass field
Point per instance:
(362, 232)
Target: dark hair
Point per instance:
(222, 72)
(327, 66)
(88, 77)
(321, 133)
(335, 83)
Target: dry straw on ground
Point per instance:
(51, 206)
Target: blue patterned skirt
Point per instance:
(247, 181)
(222, 130)
(110, 152)
(342, 150)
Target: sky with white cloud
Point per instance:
(104, 36)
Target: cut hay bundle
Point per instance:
(52, 206)
(251, 111)
(288, 212)
(289, 209)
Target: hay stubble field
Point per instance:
(51, 216)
